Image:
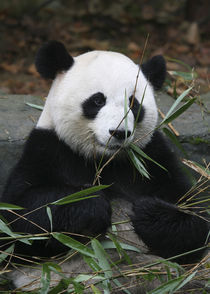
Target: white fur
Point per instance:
(112, 74)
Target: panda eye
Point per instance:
(93, 104)
(137, 109)
(99, 99)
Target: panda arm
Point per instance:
(167, 230)
(86, 217)
(168, 185)
(44, 174)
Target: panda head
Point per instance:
(90, 93)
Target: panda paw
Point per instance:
(90, 217)
(167, 230)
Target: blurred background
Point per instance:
(180, 30)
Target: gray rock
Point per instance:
(193, 126)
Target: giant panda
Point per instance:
(83, 124)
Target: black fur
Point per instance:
(137, 109)
(49, 170)
(52, 58)
(168, 231)
(155, 71)
(93, 104)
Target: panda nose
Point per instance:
(119, 135)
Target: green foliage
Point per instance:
(81, 195)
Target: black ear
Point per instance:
(52, 58)
(155, 71)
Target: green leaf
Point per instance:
(175, 104)
(49, 213)
(84, 277)
(119, 285)
(102, 258)
(179, 62)
(92, 263)
(179, 111)
(37, 238)
(119, 248)
(185, 281)
(6, 252)
(138, 164)
(81, 195)
(39, 107)
(54, 267)
(205, 169)
(111, 245)
(168, 286)
(188, 76)
(8, 206)
(141, 153)
(45, 279)
(73, 244)
(140, 107)
(95, 290)
(175, 140)
(78, 287)
(5, 229)
(126, 114)
(62, 285)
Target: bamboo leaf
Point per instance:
(186, 280)
(101, 256)
(5, 229)
(73, 244)
(165, 288)
(138, 164)
(6, 252)
(188, 76)
(140, 107)
(103, 263)
(92, 263)
(45, 279)
(85, 277)
(49, 213)
(141, 153)
(175, 104)
(179, 62)
(119, 248)
(126, 114)
(111, 245)
(81, 195)
(39, 107)
(95, 290)
(178, 112)
(204, 171)
(62, 285)
(8, 206)
(175, 140)
(119, 285)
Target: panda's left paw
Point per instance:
(169, 231)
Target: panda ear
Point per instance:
(52, 58)
(155, 71)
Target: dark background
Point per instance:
(177, 29)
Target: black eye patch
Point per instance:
(93, 104)
(136, 107)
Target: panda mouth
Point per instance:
(109, 146)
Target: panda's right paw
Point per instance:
(100, 216)
(90, 217)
